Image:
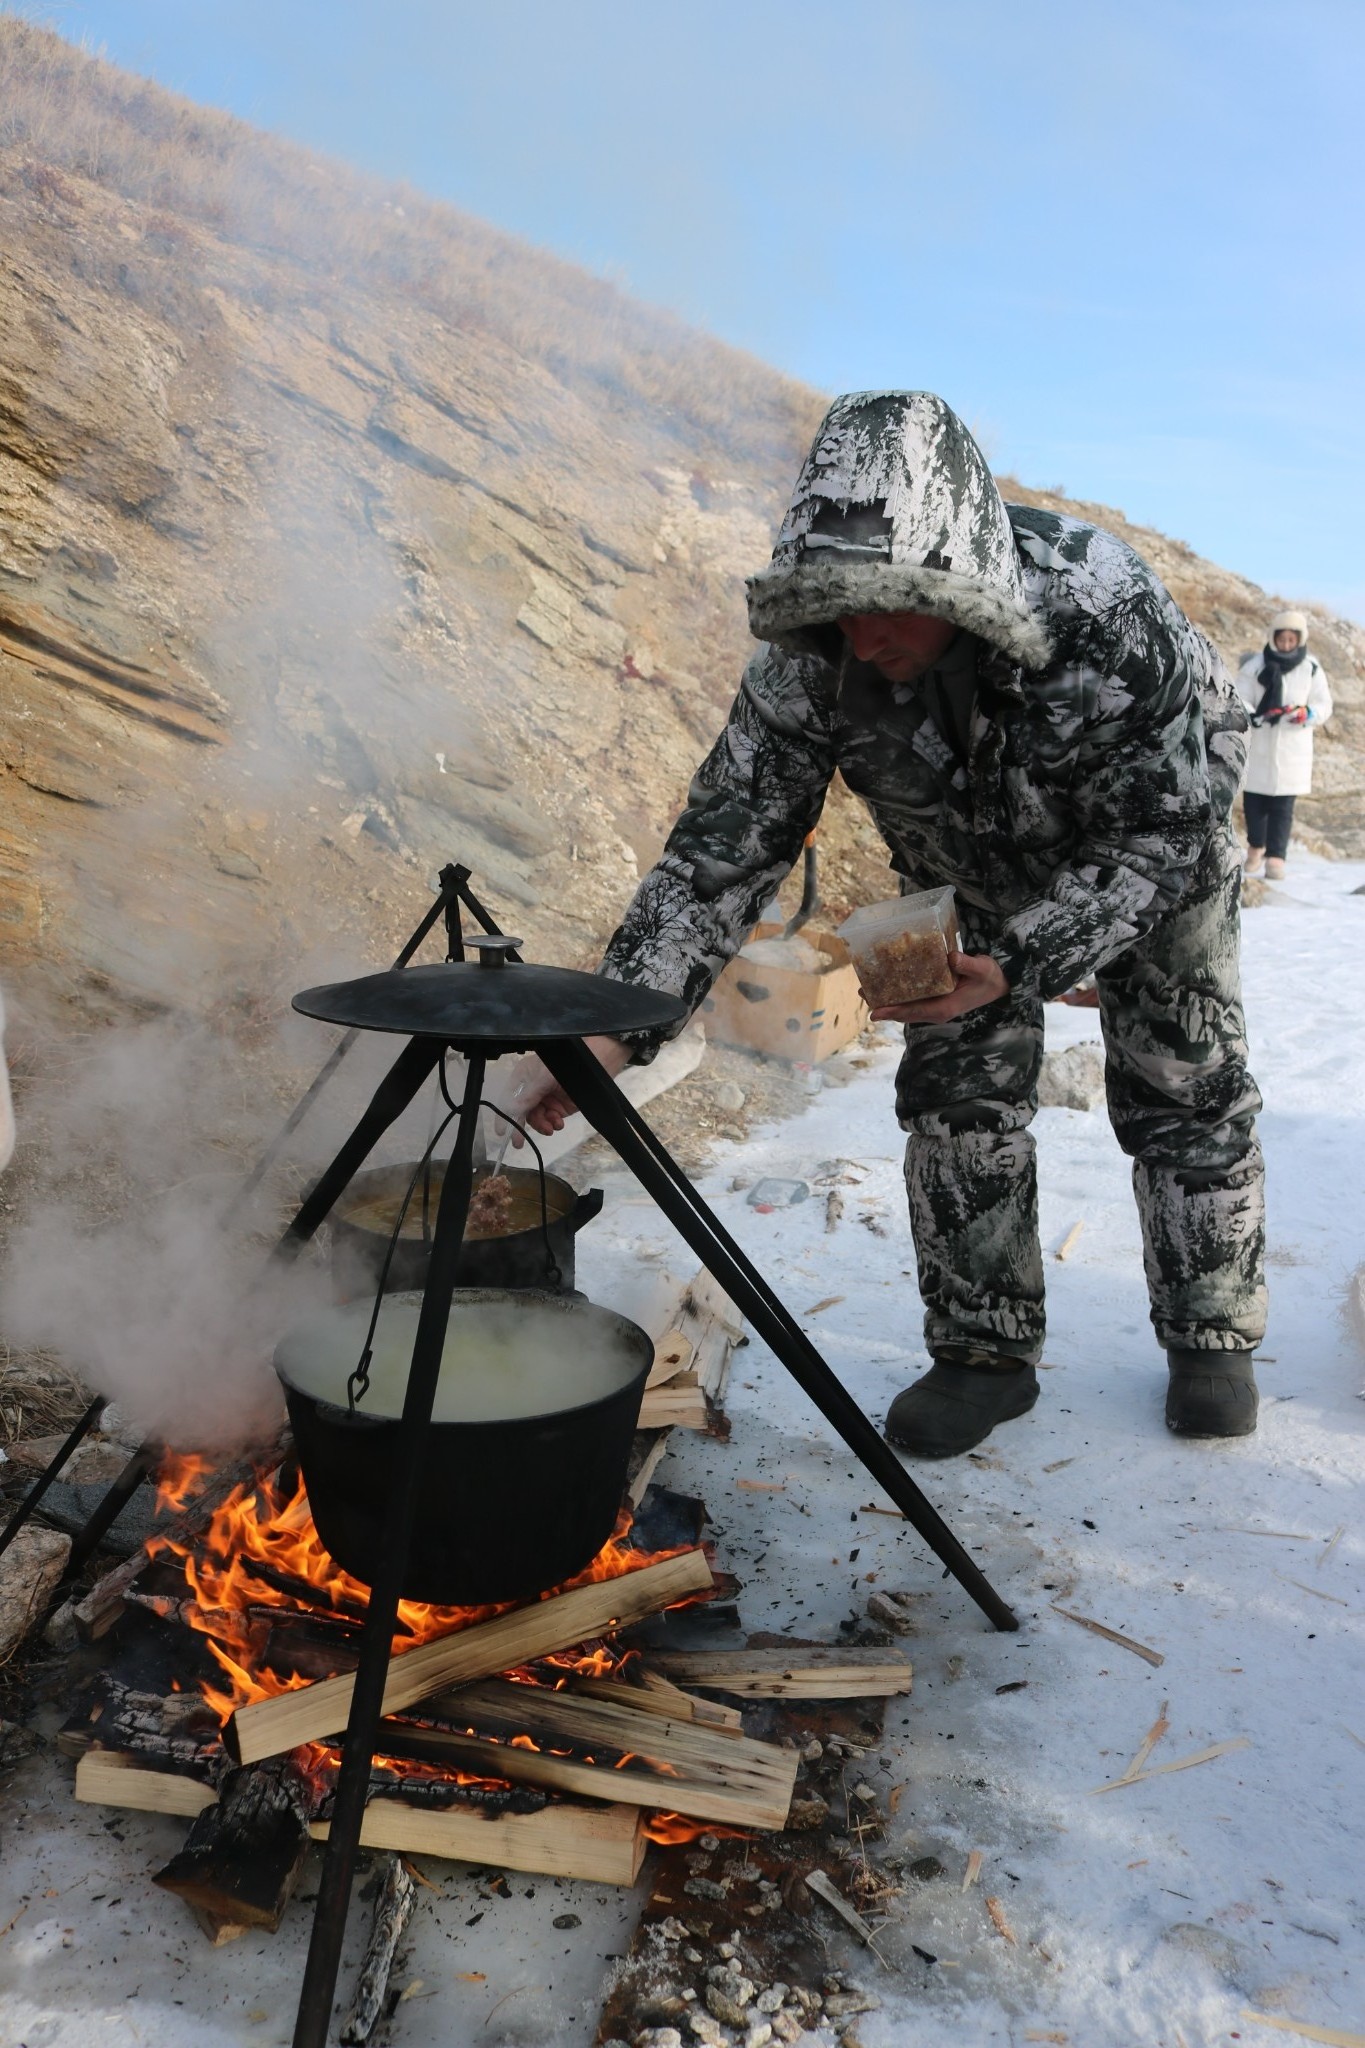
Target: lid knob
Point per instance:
(493, 948)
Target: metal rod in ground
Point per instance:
(392, 1912)
(610, 1113)
(49, 1473)
(88, 1539)
(386, 1105)
(333, 1061)
(353, 1778)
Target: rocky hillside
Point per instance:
(340, 535)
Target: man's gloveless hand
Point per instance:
(536, 1098)
(980, 980)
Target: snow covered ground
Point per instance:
(1165, 1912)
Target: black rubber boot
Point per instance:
(1211, 1393)
(955, 1407)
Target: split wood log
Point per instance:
(123, 1778)
(314, 1712)
(242, 1857)
(640, 1725)
(392, 1912)
(111, 1777)
(707, 1300)
(678, 1405)
(672, 1355)
(101, 1607)
(602, 1844)
(647, 1448)
(750, 1788)
(797, 1674)
(714, 1325)
(665, 1697)
(658, 1697)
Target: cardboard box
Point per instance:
(791, 1016)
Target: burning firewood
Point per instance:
(314, 1712)
(709, 1773)
(519, 1830)
(101, 1607)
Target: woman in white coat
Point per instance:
(1286, 690)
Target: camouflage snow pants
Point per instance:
(1181, 1102)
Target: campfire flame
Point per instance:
(260, 1559)
(258, 1562)
(182, 1475)
(670, 1828)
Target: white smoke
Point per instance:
(124, 1265)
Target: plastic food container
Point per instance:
(900, 948)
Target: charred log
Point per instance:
(392, 1912)
(242, 1857)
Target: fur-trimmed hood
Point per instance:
(895, 510)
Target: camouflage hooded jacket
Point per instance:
(1105, 745)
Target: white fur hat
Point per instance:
(895, 510)
(1290, 622)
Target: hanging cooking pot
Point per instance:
(524, 1466)
(524, 1247)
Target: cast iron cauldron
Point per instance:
(363, 1220)
(524, 1468)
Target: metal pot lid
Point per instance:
(509, 1005)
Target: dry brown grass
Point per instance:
(39, 1396)
(67, 116)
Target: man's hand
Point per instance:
(980, 980)
(537, 1098)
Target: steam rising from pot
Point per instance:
(123, 1265)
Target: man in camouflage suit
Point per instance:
(1030, 718)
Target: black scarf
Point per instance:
(1274, 668)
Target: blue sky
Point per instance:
(1124, 241)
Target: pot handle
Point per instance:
(585, 1208)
